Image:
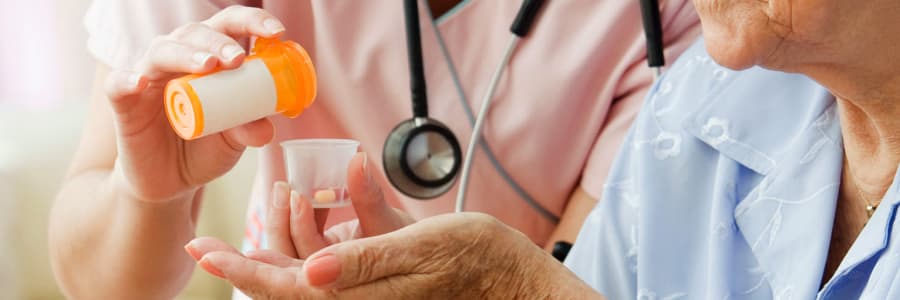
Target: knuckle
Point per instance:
(157, 44)
(485, 222)
(157, 41)
(188, 29)
(111, 85)
(232, 9)
(235, 16)
(244, 12)
(366, 259)
(217, 43)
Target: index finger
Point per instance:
(259, 280)
(242, 21)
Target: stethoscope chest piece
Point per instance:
(421, 158)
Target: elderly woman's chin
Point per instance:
(738, 50)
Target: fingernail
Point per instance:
(273, 26)
(295, 200)
(209, 267)
(281, 195)
(134, 80)
(201, 57)
(322, 270)
(365, 162)
(231, 52)
(189, 248)
(365, 167)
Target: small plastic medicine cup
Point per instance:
(317, 169)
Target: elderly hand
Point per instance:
(466, 256)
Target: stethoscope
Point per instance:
(422, 156)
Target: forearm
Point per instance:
(105, 245)
(577, 208)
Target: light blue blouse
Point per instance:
(725, 188)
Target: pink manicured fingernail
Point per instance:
(189, 248)
(231, 52)
(200, 58)
(281, 195)
(365, 162)
(365, 168)
(322, 270)
(209, 267)
(295, 202)
(273, 26)
(134, 80)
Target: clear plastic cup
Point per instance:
(317, 169)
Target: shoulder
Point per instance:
(703, 127)
(704, 138)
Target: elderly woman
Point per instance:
(753, 184)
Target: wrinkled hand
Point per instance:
(464, 256)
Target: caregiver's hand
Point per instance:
(294, 228)
(465, 256)
(153, 163)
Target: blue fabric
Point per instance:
(726, 188)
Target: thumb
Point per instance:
(358, 262)
(375, 215)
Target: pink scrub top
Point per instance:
(569, 95)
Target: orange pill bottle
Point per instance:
(277, 77)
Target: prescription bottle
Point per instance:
(277, 77)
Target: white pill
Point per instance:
(324, 196)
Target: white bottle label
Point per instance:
(235, 97)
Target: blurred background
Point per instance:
(45, 80)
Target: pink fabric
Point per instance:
(560, 114)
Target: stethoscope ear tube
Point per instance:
(653, 32)
(527, 13)
(414, 53)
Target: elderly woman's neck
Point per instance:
(871, 134)
(857, 60)
(861, 67)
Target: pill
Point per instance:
(324, 196)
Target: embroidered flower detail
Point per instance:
(674, 296)
(775, 226)
(786, 293)
(715, 131)
(722, 231)
(720, 74)
(665, 88)
(666, 145)
(645, 294)
(631, 256)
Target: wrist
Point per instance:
(123, 189)
(522, 271)
(554, 280)
(541, 276)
